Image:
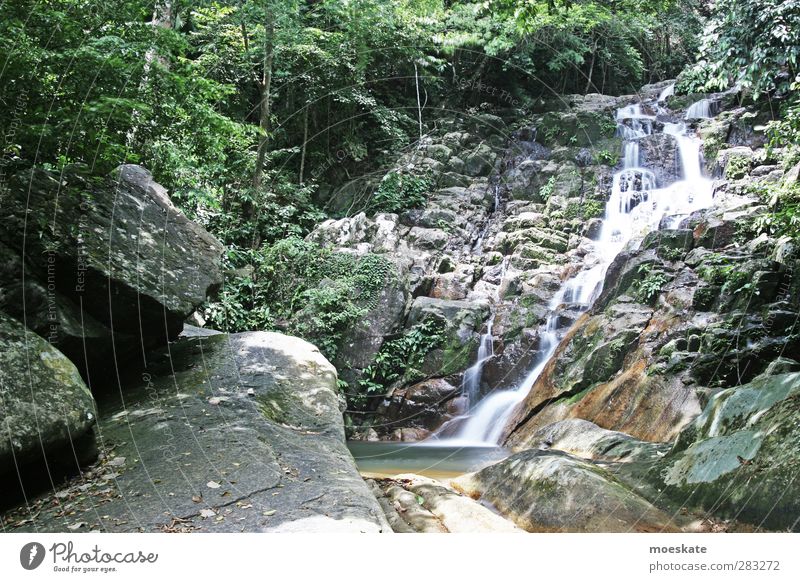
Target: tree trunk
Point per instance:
(419, 103)
(305, 142)
(162, 18)
(264, 89)
(591, 68)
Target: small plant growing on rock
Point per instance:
(299, 287)
(647, 289)
(400, 359)
(547, 190)
(606, 157)
(737, 168)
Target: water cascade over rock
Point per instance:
(639, 204)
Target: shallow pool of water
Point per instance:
(389, 459)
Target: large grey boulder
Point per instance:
(586, 440)
(549, 491)
(46, 411)
(226, 434)
(106, 257)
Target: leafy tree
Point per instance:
(755, 43)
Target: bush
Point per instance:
(400, 359)
(646, 290)
(298, 287)
(399, 191)
(755, 43)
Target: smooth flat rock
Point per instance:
(231, 433)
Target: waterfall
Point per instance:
(636, 206)
(668, 92)
(471, 383)
(699, 110)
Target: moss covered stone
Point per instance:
(45, 405)
(741, 454)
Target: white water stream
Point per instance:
(637, 205)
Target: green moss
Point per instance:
(457, 356)
(737, 167)
(575, 398)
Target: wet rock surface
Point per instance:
(550, 491)
(416, 504)
(739, 452)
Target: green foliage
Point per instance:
(783, 219)
(607, 158)
(584, 210)
(180, 92)
(590, 45)
(737, 167)
(672, 254)
(400, 191)
(547, 190)
(400, 359)
(647, 289)
(300, 287)
(752, 42)
(592, 209)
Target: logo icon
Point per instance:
(31, 555)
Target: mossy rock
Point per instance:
(47, 410)
(547, 491)
(741, 456)
(581, 129)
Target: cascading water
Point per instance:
(471, 383)
(699, 110)
(637, 205)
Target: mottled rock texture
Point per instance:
(228, 433)
(86, 259)
(46, 411)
